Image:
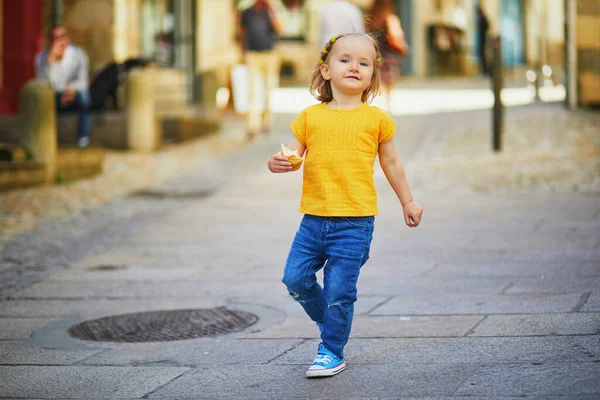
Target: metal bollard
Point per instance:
(37, 122)
(498, 109)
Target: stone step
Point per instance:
(13, 152)
(72, 163)
(20, 174)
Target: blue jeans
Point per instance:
(81, 104)
(341, 246)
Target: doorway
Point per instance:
(405, 11)
(512, 32)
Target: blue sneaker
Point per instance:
(325, 364)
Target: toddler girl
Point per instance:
(340, 138)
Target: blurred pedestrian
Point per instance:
(340, 138)
(483, 27)
(292, 16)
(340, 16)
(65, 67)
(259, 26)
(387, 28)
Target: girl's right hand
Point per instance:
(278, 163)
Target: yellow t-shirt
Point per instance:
(341, 146)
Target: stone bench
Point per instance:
(150, 94)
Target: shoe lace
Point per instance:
(323, 358)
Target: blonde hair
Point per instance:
(321, 88)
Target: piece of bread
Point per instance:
(292, 156)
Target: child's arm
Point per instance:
(278, 163)
(394, 172)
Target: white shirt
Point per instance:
(459, 18)
(71, 70)
(339, 17)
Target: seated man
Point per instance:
(65, 67)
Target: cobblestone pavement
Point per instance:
(124, 173)
(496, 295)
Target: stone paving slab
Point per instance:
(579, 256)
(420, 380)
(17, 353)
(208, 263)
(530, 239)
(281, 300)
(592, 303)
(437, 253)
(515, 270)
(438, 350)
(123, 273)
(522, 380)
(100, 307)
(20, 328)
(378, 327)
(420, 286)
(112, 256)
(382, 264)
(582, 349)
(126, 290)
(539, 325)
(287, 381)
(556, 285)
(259, 269)
(83, 382)
(479, 304)
(205, 351)
(589, 269)
(53, 245)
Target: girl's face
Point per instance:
(350, 65)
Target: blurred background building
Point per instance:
(195, 42)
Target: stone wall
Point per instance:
(90, 25)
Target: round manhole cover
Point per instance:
(161, 326)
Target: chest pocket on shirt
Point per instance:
(367, 139)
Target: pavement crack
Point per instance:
(475, 326)
(428, 271)
(156, 389)
(582, 300)
(288, 350)
(507, 287)
(538, 225)
(471, 371)
(91, 356)
(378, 305)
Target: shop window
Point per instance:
(157, 22)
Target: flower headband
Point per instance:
(324, 52)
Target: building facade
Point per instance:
(198, 38)
(195, 38)
(20, 40)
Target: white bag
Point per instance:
(240, 85)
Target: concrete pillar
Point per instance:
(142, 128)
(419, 46)
(207, 85)
(37, 124)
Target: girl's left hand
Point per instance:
(413, 214)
